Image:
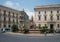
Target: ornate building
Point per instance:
(47, 16)
(9, 16)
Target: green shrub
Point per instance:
(14, 28)
(26, 31)
(52, 30)
(43, 29)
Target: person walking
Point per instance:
(3, 30)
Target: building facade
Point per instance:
(10, 16)
(47, 16)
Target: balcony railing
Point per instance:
(22, 15)
(21, 20)
(58, 14)
(53, 21)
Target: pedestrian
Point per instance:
(45, 33)
(3, 30)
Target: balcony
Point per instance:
(5, 22)
(22, 15)
(45, 14)
(9, 15)
(49, 21)
(4, 14)
(39, 14)
(51, 14)
(57, 14)
(21, 20)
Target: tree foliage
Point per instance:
(14, 28)
(43, 29)
(51, 30)
(25, 29)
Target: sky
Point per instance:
(27, 5)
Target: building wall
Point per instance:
(48, 13)
(11, 16)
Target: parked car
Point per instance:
(57, 31)
(3, 30)
(7, 29)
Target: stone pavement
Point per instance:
(18, 34)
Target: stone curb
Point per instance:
(18, 34)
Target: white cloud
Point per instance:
(29, 13)
(17, 6)
(11, 4)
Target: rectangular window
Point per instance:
(9, 20)
(16, 15)
(13, 14)
(45, 24)
(13, 20)
(39, 12)
(51, 18)
(4, 19)
(17, 18)
(57, 11)
(39, 25)
(0, 13)
(4, 12)
(45, 12)
(51, 12)
(4, 25)
(9, 14)
(45, 18)
(8, 25)
(58, 25)
(57, 17)
(39, 18)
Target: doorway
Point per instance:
(51, 26)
